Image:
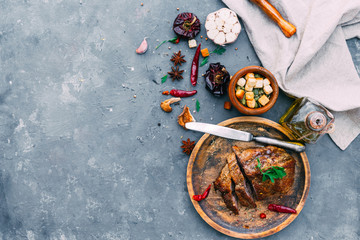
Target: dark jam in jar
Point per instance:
(307, 120)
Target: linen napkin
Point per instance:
(315, 62)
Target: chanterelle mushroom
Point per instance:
(222, 26)
(185, 117)
(165, 105)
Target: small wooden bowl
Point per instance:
(241, 73)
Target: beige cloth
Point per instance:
(315, 62)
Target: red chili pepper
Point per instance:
(202, 196)
(262, 215)
(182, 93)
(177, 40)
(280, 208)
(165, 93)
(195, 66)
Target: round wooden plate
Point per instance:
(207, 160)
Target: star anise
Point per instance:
(188, 146)
(177, 58)
(176, 73)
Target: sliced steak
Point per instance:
(224, 184)
(242, 190)
(268, 156)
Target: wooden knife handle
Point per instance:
(287, 28)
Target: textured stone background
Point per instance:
(83, 159)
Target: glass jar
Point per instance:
(308, 120)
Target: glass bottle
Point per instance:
(307, 120)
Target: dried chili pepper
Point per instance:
(262, 215)
(280, 208)
(202, 196)
(182, 93)
(195, 66)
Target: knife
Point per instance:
(231, 133)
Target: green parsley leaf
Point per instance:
(259, 164)
(219, 50)
(271, 173)
(197, 105)
(204, 61)
(163, 79)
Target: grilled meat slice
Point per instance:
(224, 184)
(242, 189)
(268, 156)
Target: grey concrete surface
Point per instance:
(82, 158)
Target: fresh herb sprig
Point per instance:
(219, 50)
(272, 173)
(173, 40)
(164, 78)
(197, 105)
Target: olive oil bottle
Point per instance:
(307, 120)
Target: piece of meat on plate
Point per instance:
(224, 184)
(268, 156)
(242, 188)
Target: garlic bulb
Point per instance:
(222, 26)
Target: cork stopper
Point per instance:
(316, 121)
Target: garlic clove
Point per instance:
(143, 47)
(210, 25)
(232, 20)
(224, 15)
(230, 37)
(220, 38)
(211, 17)
(236, 28)
(212, 33)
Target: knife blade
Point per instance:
(234, 134)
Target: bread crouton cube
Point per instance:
(249, 95)
(241, 82)
(249, 75)
(259, 83)
(251, 82)
(192, 43)
(205, 52)
(263, 100)
(266, 82)
(240, 93)
(248, 88)
(251, 103)
(268, 89)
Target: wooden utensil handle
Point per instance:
(287, 28)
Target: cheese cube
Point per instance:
(240, 93)
(266, 82)
(251, 82)
(268, 89)
(259, 83)
(249, 95)
(251, 103)
(249, 75)
(192, 43)
(263, 100)
(248, 88)
(241, 82)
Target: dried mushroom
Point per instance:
(165, 105)
(185, 117)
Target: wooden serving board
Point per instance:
(205, 164)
